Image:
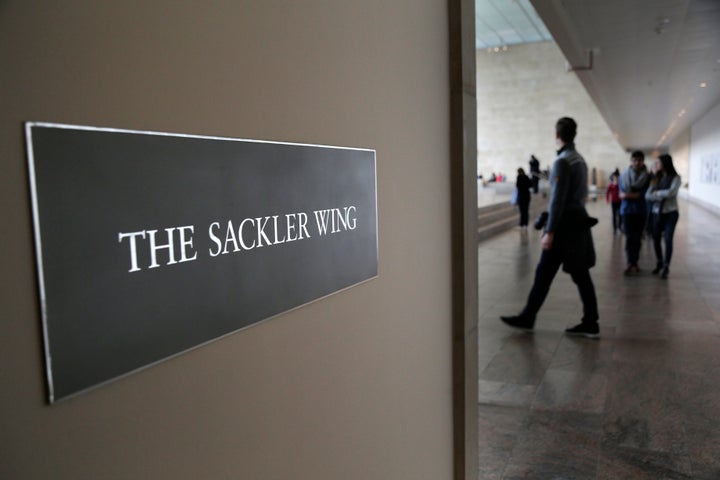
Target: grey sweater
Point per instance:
(667, 196)
(568, 181)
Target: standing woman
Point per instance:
(654, 172)
(663, 193)
(523, 185)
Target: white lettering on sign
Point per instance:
(185, 243)
(336, 219)
(225, 237)
(257, 233)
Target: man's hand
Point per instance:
(630, 195)
(547, 240)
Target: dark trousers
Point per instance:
(634, 224)
(664, 228)
(524, 207)
(549, 264)
(535, 182)
(617, 220)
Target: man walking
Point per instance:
(567, 240)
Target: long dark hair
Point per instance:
(667, 165)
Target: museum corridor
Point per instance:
(642, 402)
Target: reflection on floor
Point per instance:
(642, 402)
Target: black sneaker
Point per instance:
(519, 322)
(589, 330)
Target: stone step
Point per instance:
(500, 217)
(491, 229)
(499, 211)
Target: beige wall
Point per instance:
(356, 386)
(680, 151)
(704, 153)
(523, 92)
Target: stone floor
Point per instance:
(642, 402)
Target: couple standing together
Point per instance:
(649, 202)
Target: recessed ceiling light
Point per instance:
(703, 85)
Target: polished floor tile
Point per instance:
(642, 402)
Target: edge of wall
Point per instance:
(463, 158)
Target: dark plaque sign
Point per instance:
(149, 244)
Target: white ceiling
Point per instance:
(649, 58)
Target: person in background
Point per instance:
(648, 228)
(523, 186)
(612, 196)
(535, 173)
(663, 193)
(567, 240)
(633, 184)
